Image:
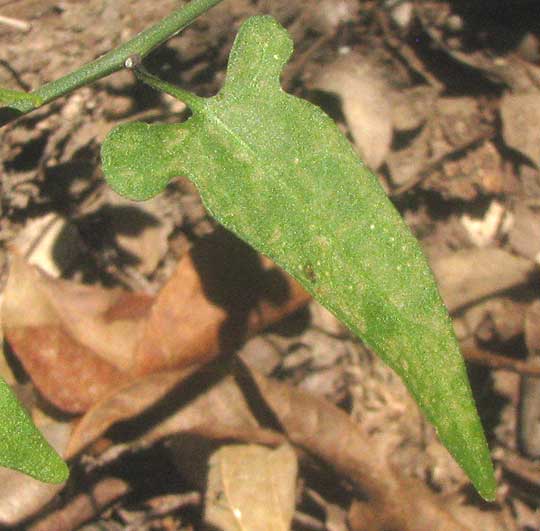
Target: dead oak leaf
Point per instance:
(79, 342)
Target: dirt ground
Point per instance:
(442, 98)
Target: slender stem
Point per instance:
(112, 61)
(191, 100)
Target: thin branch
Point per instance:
(496, 361)
(15, 23)
(141, 45)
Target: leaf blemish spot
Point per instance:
(310, 273)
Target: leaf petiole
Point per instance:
(133, 62)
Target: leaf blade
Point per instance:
(22, 446)
(276, 171)
(12, 98)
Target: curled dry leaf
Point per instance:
(214, 405)
(68, 336)
(227, 292)
(251, 487)
(77, 342)
(126, 402)
(208, 404)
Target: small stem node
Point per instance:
(133, 61)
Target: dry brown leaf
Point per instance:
(83, 507)
(325, 16)
(524, 235)
(213, 405)
(208, 403)
(498, 318)
(251, 488)
(398, 502)
(22, 496)
(122, 404)
(492, 66)
(77, 342)
(227, 293)
(73, 340)
(406, 164)
(365, 104)
(483, 230)
(51, 243)
(474, 517)
(412, 107)
(473, 274)
(520, 115)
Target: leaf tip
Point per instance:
(58, 472)
(484, 480)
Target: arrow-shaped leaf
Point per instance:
(275, 170)
(22, 447)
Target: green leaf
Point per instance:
(11, 98)
(276, 171)
(22, 447)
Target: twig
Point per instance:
(15, 75)
(15, 23)
(522, 468)
(436, 162)
(141, 45)
(84, 507)
(308, 522)
(405, 52)
(496, 361)
(395, 501)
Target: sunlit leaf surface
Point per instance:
(22, 446)
(276, 171)
(10, 98)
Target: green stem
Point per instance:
(191, 100)
(112, 61)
